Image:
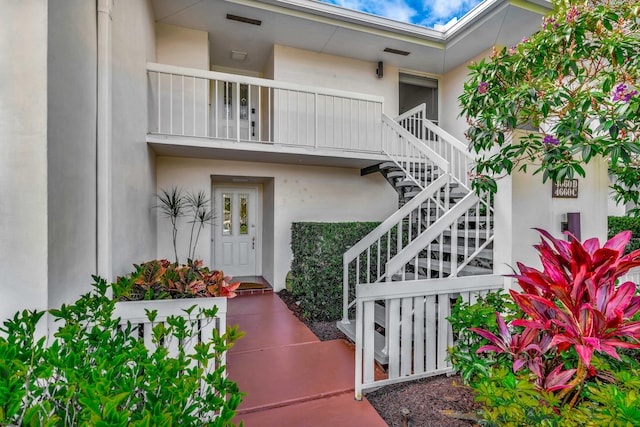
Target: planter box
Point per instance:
(136, 313)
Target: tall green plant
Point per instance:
(577, 79)
(197, 203)
(97, 373)
(176, 204)
(172, 205)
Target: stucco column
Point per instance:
(104, 184)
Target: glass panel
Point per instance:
(227, 92)
(244, 214)
(244, 102)
(227, 214)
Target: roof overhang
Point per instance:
(321, 27)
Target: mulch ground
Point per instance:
(431, 402)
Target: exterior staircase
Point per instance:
(442, 229)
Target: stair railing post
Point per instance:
(345, 290)
(359, 349)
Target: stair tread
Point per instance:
(349, 329)
(446, 267)
(486, 253)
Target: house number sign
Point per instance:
(567, 189)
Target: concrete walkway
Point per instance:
(291, 378)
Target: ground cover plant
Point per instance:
(576, 81)
(570, 357)
(95, 372)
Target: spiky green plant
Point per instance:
(173, 205)
(197, 203)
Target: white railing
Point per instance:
(632, 275)
(366, 262)
(206, 104)
(459, 236)
(135, 312)
(418, 332)
(421, 164)
(438, 140)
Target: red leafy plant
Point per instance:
(574, 302)
(160, 279)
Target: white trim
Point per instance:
(103, 143)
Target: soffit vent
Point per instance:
(396, 51)
(243, 19)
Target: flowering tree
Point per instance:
(577, 81)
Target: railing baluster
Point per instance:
(159, 77)
(182, 97)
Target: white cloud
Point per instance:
(399, 10)
(443, 10)
(421, 12)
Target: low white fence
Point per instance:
(136, 313)
(206, 104)
(417, 331)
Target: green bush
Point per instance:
(317, 264)
(480, 314)
(618, 224)
(571, 357)
(96, 373)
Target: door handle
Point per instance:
(253, 243)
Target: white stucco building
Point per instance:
(272, 107)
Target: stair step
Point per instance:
(410, 183)
(411, 167)
(407, 276)
(486, 253)
(468, 270)
(453, 195)
(349, 329)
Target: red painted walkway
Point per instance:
(290, 377)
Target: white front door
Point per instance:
(235, 239)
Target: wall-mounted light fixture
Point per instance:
(379, 70)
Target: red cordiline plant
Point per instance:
(573, 303)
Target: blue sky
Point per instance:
(420, 12)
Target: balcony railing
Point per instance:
(204, 104)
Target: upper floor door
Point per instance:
(415, 90)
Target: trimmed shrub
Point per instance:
(317, 264)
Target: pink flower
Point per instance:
(622, 93)
(572, 14)
(549, 23)
(482, 87)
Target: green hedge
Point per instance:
(616, 224)
(317, 264)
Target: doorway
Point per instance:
(415, 90)
(236, 242)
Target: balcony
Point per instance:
(205, 114)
